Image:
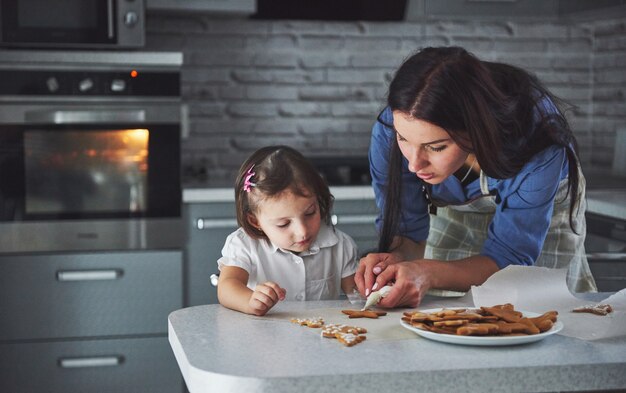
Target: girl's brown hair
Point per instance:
(277, 169)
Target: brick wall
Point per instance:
(318, 86)
(609, 92)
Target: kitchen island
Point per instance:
(220, 350)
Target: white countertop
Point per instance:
(220, 350)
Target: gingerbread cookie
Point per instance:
(505, 312)
(312, 323)
(349, 339)
(347, 335)
(546, 321)
(363, 314)
(598, 309)
(500, 320)
(331, 330)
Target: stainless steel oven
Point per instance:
(89, 151)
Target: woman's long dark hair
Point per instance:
(490, 109)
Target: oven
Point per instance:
(90, 151)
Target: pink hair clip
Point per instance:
(247, 183)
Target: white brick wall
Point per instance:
(319, 85)
(609, 89)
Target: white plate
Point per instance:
(484, 340)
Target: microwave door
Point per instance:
(72, 23)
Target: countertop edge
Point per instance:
(199, 195)
(518, 380)
(604, 202)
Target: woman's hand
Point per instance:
(264, 297)
(412, 279)
(369, 267)
(411, 284)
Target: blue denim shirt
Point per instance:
(524, 202)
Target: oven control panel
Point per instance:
(92, 83)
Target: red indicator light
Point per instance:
(134, 74)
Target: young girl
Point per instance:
(286, 247)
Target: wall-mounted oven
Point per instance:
(90, 151)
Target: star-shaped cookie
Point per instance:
(363, 313)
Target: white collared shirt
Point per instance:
(311, 275)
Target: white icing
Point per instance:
(348, 337)
(375, 297)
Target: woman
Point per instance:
(474, 168)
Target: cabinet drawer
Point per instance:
(606, 251)
(355, 207)
(364, 235)
(208, 224)
(610, 275)
(95, 294)
(126, 365)
(357, 218)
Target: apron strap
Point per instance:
(484, 186)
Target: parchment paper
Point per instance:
(539, 289)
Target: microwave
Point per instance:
(72, 23)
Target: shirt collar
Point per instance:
(326, 237)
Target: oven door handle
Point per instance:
(86, 116)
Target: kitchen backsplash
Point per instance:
(318, 85)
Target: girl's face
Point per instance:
(290, 221)
(432, 154)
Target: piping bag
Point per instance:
(375, 297)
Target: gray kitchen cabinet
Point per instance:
(356, 217)
(125, 365)
(606, 251)
(208, 226)
(209, 223)
(89, 322)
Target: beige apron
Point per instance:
(459, 231)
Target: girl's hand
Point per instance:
(411, 284)
(369, 267)
(264, 297)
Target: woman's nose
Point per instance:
(417, 162)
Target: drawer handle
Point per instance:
(212, 223)
(355, 219)
(100, 361)
(613, 256)
(89, 275)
